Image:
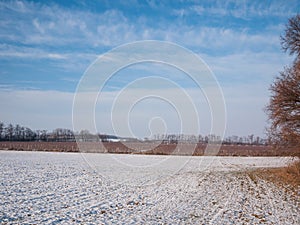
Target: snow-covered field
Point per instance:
(70, 188)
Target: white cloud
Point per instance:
(37, 25)
(75, 37)
(244, 61)
(55, 26)
(241, 9)
(37, 109)
(245, 108)
(27, 52)
(247, 67)
(52, 109)
(67, 62)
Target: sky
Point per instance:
(47, 46)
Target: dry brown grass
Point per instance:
(287, 177)
(148, 148)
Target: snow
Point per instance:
(68, 188)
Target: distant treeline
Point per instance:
(246, 140)
(17, 132)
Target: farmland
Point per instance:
(68, 188)
(154, 148)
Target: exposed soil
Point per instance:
(154, 148)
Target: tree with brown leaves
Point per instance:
(290, 41)
(284, 106)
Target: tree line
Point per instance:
(17, 132)
(234, 139)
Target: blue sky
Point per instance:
(45, 47)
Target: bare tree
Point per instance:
(290, 41)
(9, 132)
(43, 135)
(284, 106)
(29, 134)
(1, 129)
(17, 132)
